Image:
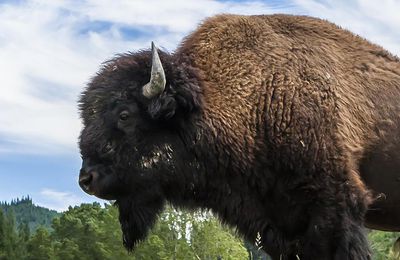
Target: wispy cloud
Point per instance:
(50, 49)
(378, 21)
(59, 200)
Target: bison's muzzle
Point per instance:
(86, 179)
(100, 180)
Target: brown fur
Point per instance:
(294, 66)
(305, 84)
(273, 122)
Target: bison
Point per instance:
(286, 127)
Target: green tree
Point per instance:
(2, 235)
(10, 239)
(212, 241)
(23, 240)
(26, 212)
(91, 231)
(382, 245)
(190, 235)
(88, 232)
(67, 249)
(40, 245)
(167, 240)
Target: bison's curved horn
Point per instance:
(157, 79)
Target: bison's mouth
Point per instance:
(103, 182)
(137, 216)
(91, 184)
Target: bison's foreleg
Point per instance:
(277, 247)
(346, 241)
(336, 229)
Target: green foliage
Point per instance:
(190, 235)
(40, 245)
(92, 231)
(382, 245)
(28, 213)
(88, 232)
(2, 236)
(9, 242)
(210, 243)
(24, 235)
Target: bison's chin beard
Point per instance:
(137, 216)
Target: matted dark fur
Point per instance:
(265, 120)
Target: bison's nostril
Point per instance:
(85, 180)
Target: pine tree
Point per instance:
(23, 239)
(40, 245)
(11, 235)
(2, 235)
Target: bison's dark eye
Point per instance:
(124, 115)
(108, 148)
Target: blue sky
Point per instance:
(50, 49)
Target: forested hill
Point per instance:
(92, 231)
(27, 212)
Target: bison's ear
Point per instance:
(163, 107)
(181, 95)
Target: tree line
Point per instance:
(92, 231)
(27, 213)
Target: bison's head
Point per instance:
(133, 112)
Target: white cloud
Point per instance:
(50, 49)
(59, 200)
(46, 59)
(378, 21)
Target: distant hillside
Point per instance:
(26, 212)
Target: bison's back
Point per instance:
(300, 88)
(275, 74)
